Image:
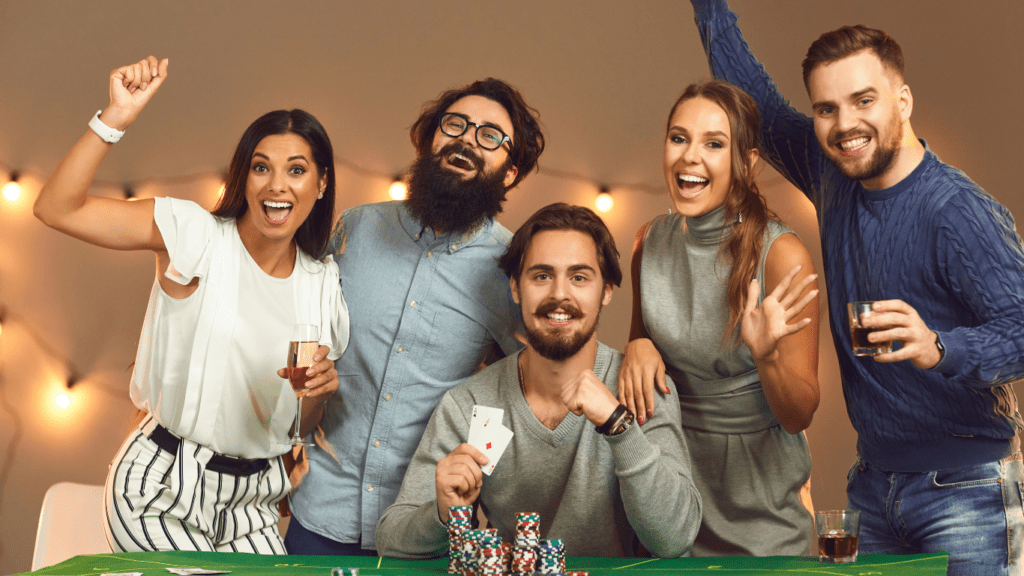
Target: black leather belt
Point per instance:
(218, 462)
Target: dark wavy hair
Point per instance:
(562, 216)
(848, 40)
(527, 139)
(746, 242)
(313, 234)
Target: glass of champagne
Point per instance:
(304, 343)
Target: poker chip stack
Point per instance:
(524, 554)
(551, 557)
(460, 519)
(524, 561)
(489, 561)
(469, 559)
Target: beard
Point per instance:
(442, 200)
(881, 160)
(556, 345)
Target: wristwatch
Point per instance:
(938, 344)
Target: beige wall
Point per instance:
(603, 74)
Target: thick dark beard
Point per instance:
(558, 347)
(881, 160)
(440, 199)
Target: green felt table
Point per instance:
(156, 563)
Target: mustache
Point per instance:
(550, 306)
(464, 150)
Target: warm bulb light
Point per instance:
(398, 190)
(604, 202)
(62, 400)
(12, 191)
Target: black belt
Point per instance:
(218, 462)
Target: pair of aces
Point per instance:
(488, 435)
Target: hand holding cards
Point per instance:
(488, 435)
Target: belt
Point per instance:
(218, 462)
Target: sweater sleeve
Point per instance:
(787, 136)
(411, 528)
(982, 261)
(655, 481)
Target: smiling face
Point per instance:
(859, 113)
(462, 155)
(561, 292)
(281, 187)
(698, 157)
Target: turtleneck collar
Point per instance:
(709, 228)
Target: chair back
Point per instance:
(70, 524)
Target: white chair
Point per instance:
(70, 523)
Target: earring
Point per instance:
(741, 218)
(320, 197)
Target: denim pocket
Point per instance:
(852, 473)
(969, 476)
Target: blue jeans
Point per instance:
(973, 513)
(300, 540)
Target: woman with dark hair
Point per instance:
(723, 302)
(203, 470)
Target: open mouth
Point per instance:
(277, 212)
(853, 146)
(690, 184)
(560, 317)
(460, 161)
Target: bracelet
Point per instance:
(105, 132)
(624, 423)
(612, 420)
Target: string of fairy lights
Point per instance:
(13, 191)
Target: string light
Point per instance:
(398, 189)
(12, 190)
(604, 200)
(62, 400)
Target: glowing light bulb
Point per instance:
(12, 191)
(604, 202)
(398, 190)
(62, 400)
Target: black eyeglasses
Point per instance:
(488, 137)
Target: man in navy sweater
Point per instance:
(939, 462)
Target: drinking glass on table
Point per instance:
(859, 334)
(304, 343)
(838, 532)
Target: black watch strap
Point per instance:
(940, 346)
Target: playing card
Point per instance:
(484, 419)
(494, 441)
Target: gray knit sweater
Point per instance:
(593, 492)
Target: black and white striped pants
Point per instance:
(190, 500)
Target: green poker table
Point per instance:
(156, 563)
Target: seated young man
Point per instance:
(599, 482)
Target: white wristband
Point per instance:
(105, 132)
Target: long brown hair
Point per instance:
(744, 246)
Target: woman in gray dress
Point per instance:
(724, 302)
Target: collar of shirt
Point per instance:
(417, 231)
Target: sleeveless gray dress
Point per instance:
(748, 470)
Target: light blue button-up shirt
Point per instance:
(424, 312)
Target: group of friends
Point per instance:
(689, 443)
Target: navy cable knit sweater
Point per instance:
(935, 240)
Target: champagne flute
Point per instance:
(304, 343)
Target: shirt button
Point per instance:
(400, 349)
(387, 397)
(413, 303)
(430, 254)
(376, 443)
(369, 488)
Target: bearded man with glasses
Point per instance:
(427, 305)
